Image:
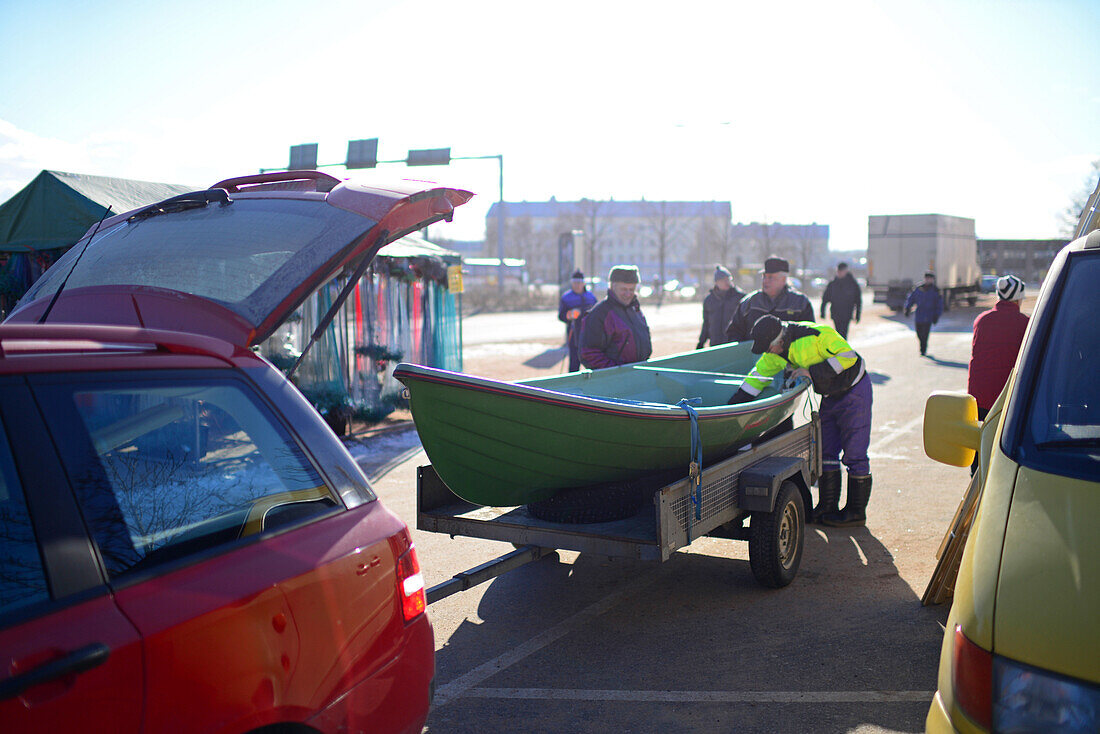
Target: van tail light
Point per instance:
(410, 585)
(972, 679)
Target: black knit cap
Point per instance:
(578, 275)
(764, 332)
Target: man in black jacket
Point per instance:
(844, 293)
(774, 297)
(718, 308)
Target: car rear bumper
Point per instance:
(395, 698)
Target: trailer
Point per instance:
(767, 483)
(901, 248)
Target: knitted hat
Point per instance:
(721, 272)
(764, 332)
(624, 274)
(578, 275)
(1010, 288)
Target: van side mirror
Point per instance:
(952, 432)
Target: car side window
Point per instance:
(173, 469)
(22, 579)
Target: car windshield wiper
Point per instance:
(183, 202)
(1091, 442)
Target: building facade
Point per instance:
(667, 240)
(1027, 259)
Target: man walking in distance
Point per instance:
(774, 297)
(615, 331)
(928, 302)
(998, 333)
(838, 374)
(574, 303)
(844, 294)
(718, 308)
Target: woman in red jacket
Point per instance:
(998, 333)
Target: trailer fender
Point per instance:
(759, 484)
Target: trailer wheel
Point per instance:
(775, 542)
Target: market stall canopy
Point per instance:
(57, 208)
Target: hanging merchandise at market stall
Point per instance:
(404, 309)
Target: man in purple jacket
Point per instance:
(615, 331)
(928, 302)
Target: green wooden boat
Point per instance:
(510, 443)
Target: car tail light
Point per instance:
(410, 584)
(972, 679)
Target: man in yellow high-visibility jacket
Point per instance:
(837, 372)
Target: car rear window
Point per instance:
(1062, 427)
(166, 470)
(247, 256)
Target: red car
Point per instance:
(184, 543)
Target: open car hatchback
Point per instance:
(186, 546)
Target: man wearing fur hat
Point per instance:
(774, 297)
(837, 372)
(718, 308)
(615, 331)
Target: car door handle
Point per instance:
(77, 661)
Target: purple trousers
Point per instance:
(846, 426)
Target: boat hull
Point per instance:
(506, 444)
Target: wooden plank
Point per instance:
(941, 587)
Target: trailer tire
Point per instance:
(601, 502)
(776, 539)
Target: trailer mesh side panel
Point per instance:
(720, 492)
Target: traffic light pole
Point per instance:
(500, 210)
(366, 152)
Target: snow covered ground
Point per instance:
(379, 453)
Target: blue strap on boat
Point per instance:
(695, 469)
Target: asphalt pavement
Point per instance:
(582, 643)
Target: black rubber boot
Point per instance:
(828, 493)
(854, 513)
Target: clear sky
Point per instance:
(793, 111)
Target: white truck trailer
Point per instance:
(902, 247)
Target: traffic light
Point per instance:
(429, 157)
(362, 153)
(303, 157)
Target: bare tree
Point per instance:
(519, 233)
(714, 243)
(667, 229)
(1072, 213)
(591, 217)
(805, 246)
(768, 239)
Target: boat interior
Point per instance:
(649, 384)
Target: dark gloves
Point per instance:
(740, 397)
(908, 311)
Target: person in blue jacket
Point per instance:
(574, 303)
(928, 302)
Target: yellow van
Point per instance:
(1021, 651)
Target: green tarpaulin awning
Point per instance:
(56, 209)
